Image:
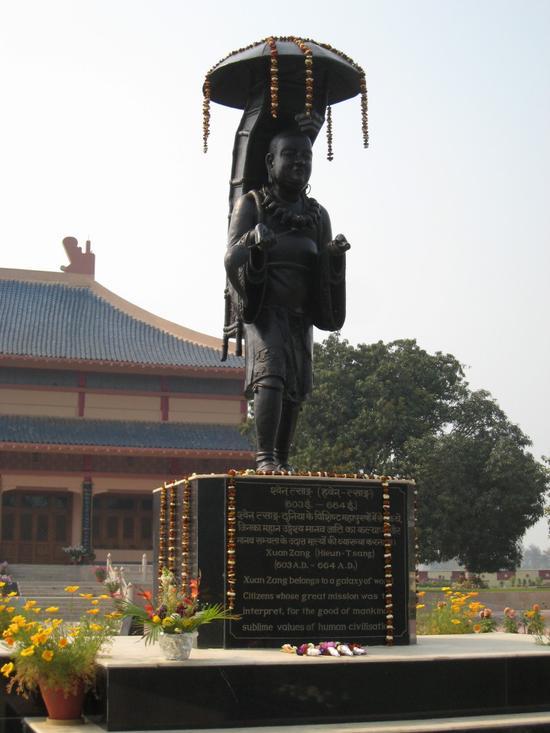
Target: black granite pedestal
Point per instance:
(298, 558)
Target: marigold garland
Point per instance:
(172, 528)
(163, 511)
(185, 533)
(308, 60)
(231, 521)
(388, 573)
(274, 76)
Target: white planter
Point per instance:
(177, 646)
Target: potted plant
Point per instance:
(8, 586)
(100, 572)
(75, 553)
(174, 622)
(56, 656)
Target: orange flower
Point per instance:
(63, 643)
(93, 611)
(47, 655)
(194, 585)
(86, 595)
(72, 588)
(477, 628)
(536, 607)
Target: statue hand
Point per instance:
(309, 124)
(263, 237)
(339, 245)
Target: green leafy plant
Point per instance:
(179, 610)
(455, 613)
(50, 652)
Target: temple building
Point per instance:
(101, 402)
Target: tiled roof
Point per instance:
(118, 433)
(57, 321)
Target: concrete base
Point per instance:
(497, 682)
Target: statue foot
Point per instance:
(265, 461)
(286, 467)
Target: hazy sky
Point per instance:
(448, 212)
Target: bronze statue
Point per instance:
(289, 275)
(285, 272)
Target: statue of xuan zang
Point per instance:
(285, 270)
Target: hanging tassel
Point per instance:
(364, 110)
(273, 76)
(206, 114)
(330, 155)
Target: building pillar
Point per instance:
(86, 529)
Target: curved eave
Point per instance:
(126, 451)
(227, 371)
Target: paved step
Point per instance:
(521, 723)
(46, 585)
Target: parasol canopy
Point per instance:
(233, 79)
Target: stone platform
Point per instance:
(441, 676)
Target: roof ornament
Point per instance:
(81, 263)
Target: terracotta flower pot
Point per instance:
(61, 707)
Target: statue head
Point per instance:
(288, 161)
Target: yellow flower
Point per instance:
(116, 614)
(19, 620)
(10, 609)
(94, 603)
(455, 621)
(93, 610)
(72, 588)
(156, 619)
(12, 594)
(96, 627)
(421, 605)
(2, 584)
(2, 608)
(7, 669)
(47, 655)
(85, 595)
(28, 605)
(446, 588)
(40, 638)
(62, 643)
(455, 608)
(28, 652)
(52, 609)
(36, 610)
(168, 621)
(56, 622)
(104, 596)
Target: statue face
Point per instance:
(289, 161)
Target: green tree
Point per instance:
(396, 409)
(370, 399)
